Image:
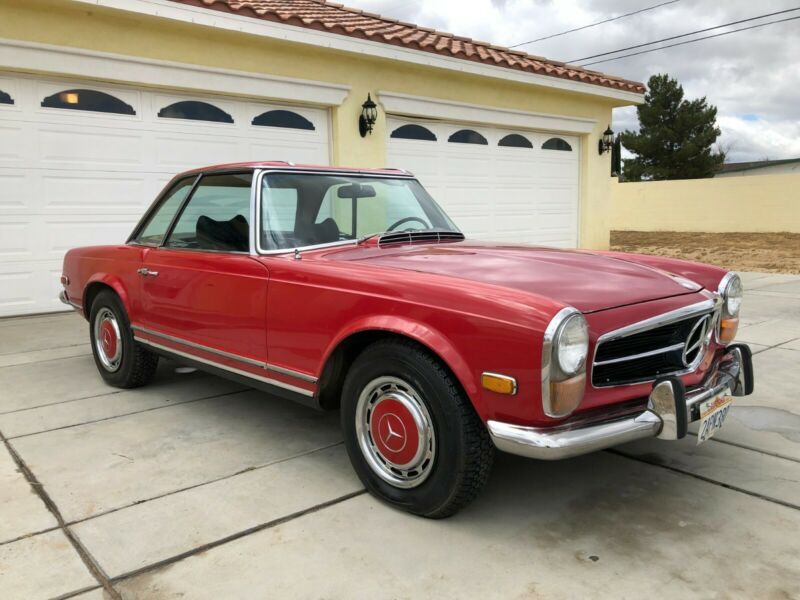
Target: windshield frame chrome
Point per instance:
(259, 177)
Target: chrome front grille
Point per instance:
(666, 345)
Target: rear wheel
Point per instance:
(119, 359)
(412, 436)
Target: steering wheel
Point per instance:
(408, 220)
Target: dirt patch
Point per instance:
(767, 252)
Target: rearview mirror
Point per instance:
(356, 190)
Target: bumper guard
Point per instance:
(670, 408)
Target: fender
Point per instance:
(115, 283)
(420, 332)
(708, 276)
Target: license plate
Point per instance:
(712, 415)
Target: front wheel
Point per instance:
(413, 437)
(120, 360)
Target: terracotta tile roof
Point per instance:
(335, 18)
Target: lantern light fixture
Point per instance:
(606, 142)
(368, 117)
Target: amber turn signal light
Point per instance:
(565, 396)
(501, 384)
(727, 330)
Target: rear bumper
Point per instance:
(670, 409)
(62, 295)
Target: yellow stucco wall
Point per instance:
(730, 204)
(81, 26)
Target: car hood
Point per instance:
(589, 282)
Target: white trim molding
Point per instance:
(433, 108)
(166, 9)
(33, 57)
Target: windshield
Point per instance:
(306, 209)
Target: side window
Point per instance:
(155, 229)
(216, 216)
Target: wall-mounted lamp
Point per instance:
(606, 142)
(369, 114)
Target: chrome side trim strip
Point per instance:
(212, 363)
(291, 373)
(236, 357)
(636, 356)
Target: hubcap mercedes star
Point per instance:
(395, 432)
(107, 339)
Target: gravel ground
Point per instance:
(765, 252)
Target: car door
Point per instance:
(203, 294)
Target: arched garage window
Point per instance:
(556, 144)
(414, 132)
(195, 111)
(90, 100)
(5, 98)
(514, 140)
(283, 118)
(467, 136)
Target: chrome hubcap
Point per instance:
(107, 339)
(395, 432)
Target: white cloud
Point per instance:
(751, 74)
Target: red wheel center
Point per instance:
(108, 338)
(394, 431)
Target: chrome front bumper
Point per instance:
(670, 408)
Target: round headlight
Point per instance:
(571, 345)
(731, 291)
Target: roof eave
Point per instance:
(174, 11)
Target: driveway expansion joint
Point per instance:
(727, 486)
(238, 535)
(37, 487)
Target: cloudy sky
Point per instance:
(753, 77)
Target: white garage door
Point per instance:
(496, 184)
(80, 162)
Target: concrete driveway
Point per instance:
(194, 487)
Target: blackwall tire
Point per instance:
(120, 360)
(412, 435)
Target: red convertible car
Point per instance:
(352, 289)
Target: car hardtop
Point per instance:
(290, 166)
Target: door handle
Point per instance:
(147, 272)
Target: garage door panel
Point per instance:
(12, 148)
(92, 192)
(16, 238)
(75, 146)
(73, 178)
(509, 194)
(15, 193)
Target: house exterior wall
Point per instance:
(732, 204)
(99, 29)
(768, 170)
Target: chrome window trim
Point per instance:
(229, 355)
(198, 182)
(547, 352)
(132, 241)
(712, 305)
(259, 189)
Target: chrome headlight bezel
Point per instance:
(731, 291)
(553, 369)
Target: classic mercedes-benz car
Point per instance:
(352, 289)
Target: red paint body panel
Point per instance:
(568, 276)
(479, 307)
(214, 299)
